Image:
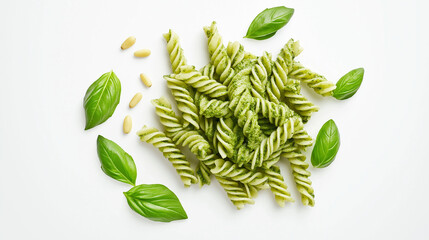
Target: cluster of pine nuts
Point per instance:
(129, 42)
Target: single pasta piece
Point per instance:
(203, 174)
(171, 152)
(225, 137)
(167, 116)
(184, 100)
(315, 81)
(259, 76)
(180, 135)
(302, 139)
(278, 186)
(177, 58)
(300, 173)
(236, 192)
(213, 108)
(281, 67)
(274, 142)
(297, 102)
(218, 55)
(201, 83)
(230, 170)
(209, 71)
(277, 114)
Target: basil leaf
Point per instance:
(115, 162)
(326, 146)
(101, 99)
(265, 37)
(348, 84)
(156, 202)
(268, 22)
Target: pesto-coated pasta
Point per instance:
(225, 137)
(300, 173)
(202, 172)
(259, 76)
(218, 55)
(237, 192)
(239, 115)
(276, 114)
(213, 108)
(170, 151)
(177, 57)
(274, 142)
(184, 100)
(278, 186)
(201, 83)
(230, 170)
(315, 81)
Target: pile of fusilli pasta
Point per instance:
(239, 115)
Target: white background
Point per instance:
(51, 184)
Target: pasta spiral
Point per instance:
(192, 139)
(275, 113)
(203, 174)
(278, 186)
(315, 81)
(302, 139)
(300, 173)
(236, 192)
(170, 151)
(214, 108)
(281, 67)
(225, 137)
(300, 104)
(236, 53)
(208, 71)
(200, 82)
(242, 104)
(167, 116)
(266, 127)
(274, 142)
(177, 57)
(185, 102)
(218, 55)
(259, 76)
(208, 125)
(230, 170)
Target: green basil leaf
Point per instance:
(101, 99)
(156, 202)
(266, 36)
(268, 22)
(348, 84)
(115, 162)
(326, 146)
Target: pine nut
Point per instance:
(145, 80)
(142, 53)
(128, 124)
(128, 43)
(136, 99)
